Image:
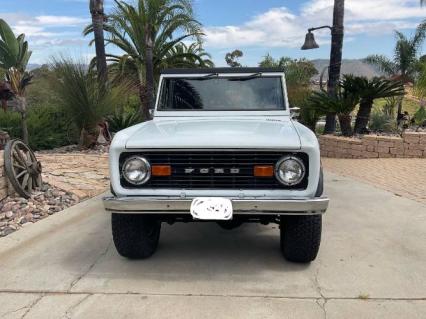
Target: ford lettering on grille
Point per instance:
(212, 171)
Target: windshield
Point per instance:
(222, 94)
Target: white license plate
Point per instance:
(211, 208)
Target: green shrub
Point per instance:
(420, 116)
(118, 122)
(381, 122)
(48, 127)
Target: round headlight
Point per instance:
(136, 170)
(290, 170)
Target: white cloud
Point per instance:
(279, 27)
(276, 27)
(61, 21)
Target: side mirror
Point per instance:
(294, 112)
(151, 112)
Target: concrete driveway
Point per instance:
(372, 264)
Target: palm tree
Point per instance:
(368, 91)
(404, 65)
(14, 56)
(146, 33)
(182, 55)
(97, 11)
(342, 103)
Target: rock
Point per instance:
(9, 214)
(8, 206)
(2, 216)
(7, 231)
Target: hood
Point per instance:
(216, 133)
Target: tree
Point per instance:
(368, 91)
(182, 55)
(231, 58)
(14, 56)
(146, 32)
(405, 63)
(97, 11)
(84, 98)
(342, 103)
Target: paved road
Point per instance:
(373, 247)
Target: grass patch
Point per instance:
(409, 105)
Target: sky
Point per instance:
(257, 27)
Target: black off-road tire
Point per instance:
(300, 237)
(230, 224)
(135, 236)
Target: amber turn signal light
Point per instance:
(161, 170)
(264, 171)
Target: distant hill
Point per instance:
(349, 66)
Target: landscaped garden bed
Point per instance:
(410, 144)
(68, 179)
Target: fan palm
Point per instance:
(368, 91)
(146, 33)
(14, 56)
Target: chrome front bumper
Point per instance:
(255, 206)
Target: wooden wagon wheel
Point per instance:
(22, 168)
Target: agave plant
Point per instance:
(120, 121)
(84, 98)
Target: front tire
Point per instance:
(135, 236)
(300, 237)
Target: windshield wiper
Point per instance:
(248, 77)
(206, 77)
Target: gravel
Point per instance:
(18, 212)
(98, 149)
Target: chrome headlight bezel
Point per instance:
(144, 162)
(278, 170)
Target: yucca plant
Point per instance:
(84, 99)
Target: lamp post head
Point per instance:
(310, 42)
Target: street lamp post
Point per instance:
(337, 33)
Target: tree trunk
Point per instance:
(97, 12)
(149, 71)
(345, 124)
(399, 115)
(337, 33)
(21, 106)
(363, 116)
(24, 127)
(88, 138)
(144, 110)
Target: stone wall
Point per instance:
(3, 181)
(411, 144)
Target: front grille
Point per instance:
(211, 160)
